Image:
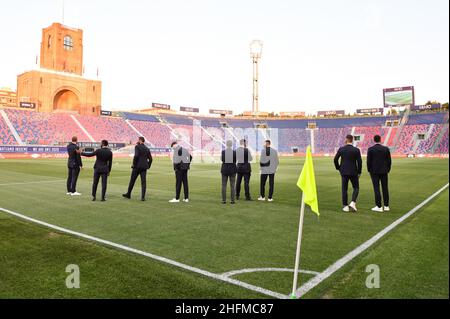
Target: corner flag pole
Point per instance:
(299, 243)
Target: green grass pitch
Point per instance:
(413, 258)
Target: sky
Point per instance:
(317, 55)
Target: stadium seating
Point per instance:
(427, 118)
(442, 147)
(6, 137)
(44, 128)
(408, 137)
(328, 140)
(177, 119)
(139, 117)
(290, 138)
(329, 135)
(367, 133)
(184, 134)
(390, 142)
(113, 129)
(156, 133)
(426, 145)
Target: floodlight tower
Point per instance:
(255, 54)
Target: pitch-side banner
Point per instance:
(189, 109)
(63, 149)
(331, 113)
(27, 105)
(370, 111)
(292, 114)
(33, 149)
(425, 107)
(161, 106)
(215, 111)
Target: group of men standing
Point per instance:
(349, 163)
(142, 162)
(236, 166)
(102, 167)
(237, 163)
(234, 163)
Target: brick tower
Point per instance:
(58, 85)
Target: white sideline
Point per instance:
(149, 255)
(358, 250)
(249, 270)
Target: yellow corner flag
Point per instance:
(307, 183)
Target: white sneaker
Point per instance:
(261, 198)
(69, 193)
(76, 194)
(270, 200)
(377, 209)
(346, 209)
(386, 208)
(186, 200)
(353, 206)
(174, 200)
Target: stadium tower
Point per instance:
(59, 85)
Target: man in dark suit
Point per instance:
(181, 165)
(74, 165)
(379, 165)
(142, 161)
(228, 171)
(269, 164)
(102, 168)
(350, 168)
(244, 169)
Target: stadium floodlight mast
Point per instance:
(255, 54)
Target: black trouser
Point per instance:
(355, 184)
(134, 175)
(263, 184)
(246, 177)
(182, 178)
(97, 175)
(232, 186)
(376, 179)
(72, 178)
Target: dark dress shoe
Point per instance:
(143, 199)
(103, 199)
(233, 202)
(126, 196)
(94, 199)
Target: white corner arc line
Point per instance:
(250, 270)
(358, 250)
(152, 256)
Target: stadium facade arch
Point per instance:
(58, 84)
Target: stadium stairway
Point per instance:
(402, 124)
(221, 141)
(139, 133)
(441, 135)
(388, 136)
(427, 136)
(175, 133)
(82, 128)
(11, 128)
(390, 141)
